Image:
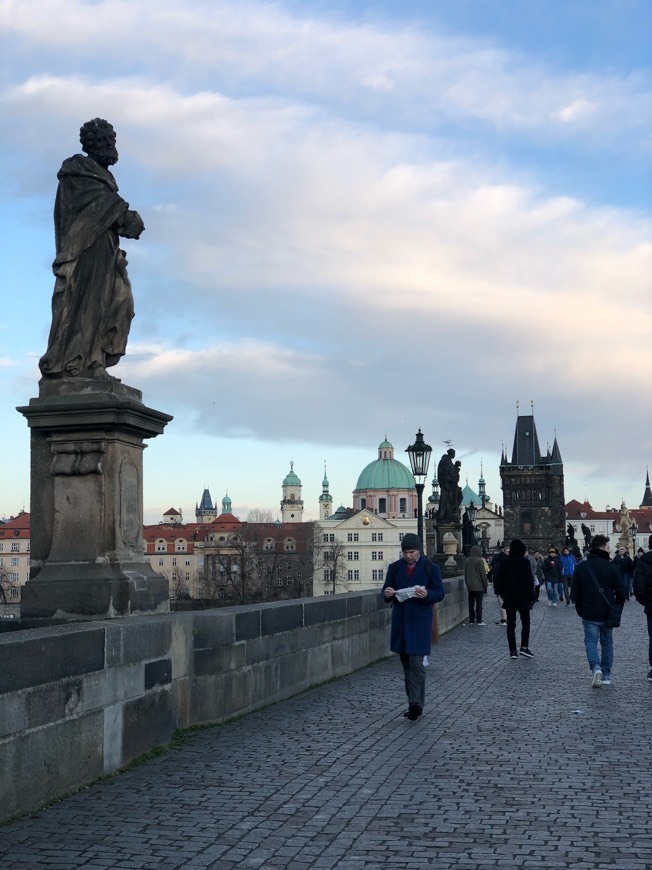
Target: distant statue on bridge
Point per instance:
(92, 305)
(588, 537)
(451, 497)
(570, 536)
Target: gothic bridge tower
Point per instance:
(533, 490)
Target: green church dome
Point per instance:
(291, 478)
(386, 473)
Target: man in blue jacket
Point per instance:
(413, 584)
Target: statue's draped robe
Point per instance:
(92, 305)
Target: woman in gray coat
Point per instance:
(475, 577)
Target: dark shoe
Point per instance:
(527, 652)
(649, 675)
(414, 711)
(513, 655)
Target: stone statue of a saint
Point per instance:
(588, 537)
(448, 477)
(92, 305)
(626, 524)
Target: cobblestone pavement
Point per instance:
(515, 764)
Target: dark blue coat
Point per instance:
(412, 619)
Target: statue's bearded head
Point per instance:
(97, 139)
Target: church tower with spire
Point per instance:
(325, 499)
(291, 503)
(646, 504)
(533, 489)
(205, 510)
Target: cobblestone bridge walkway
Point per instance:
(515, 764)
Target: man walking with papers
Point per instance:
(413, 584)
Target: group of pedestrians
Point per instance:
(595, 585)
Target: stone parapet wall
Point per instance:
(81, 700)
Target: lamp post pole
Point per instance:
(419, 454)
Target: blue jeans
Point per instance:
(594, 632)
(551, 589)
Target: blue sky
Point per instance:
(361, 219)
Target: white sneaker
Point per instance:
(482, 623)
(596, 682)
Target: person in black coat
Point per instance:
(596, 585)
(516, 588)
(643, 593)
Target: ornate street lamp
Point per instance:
(634, 533)
(419, 454)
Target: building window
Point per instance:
(527, 525)
(353, 556)
(161, 546)
(377, 574)
(377, 555)
(161, 561)
(325, 539)
(15, 546)
(187, 576)
(289, 581)
(353, 536)
(221, 593)
(279, 581)
(13, 592)
(382, 505)
(363, 503)
(289, 545)
(175, 576)
(181, 546)
(328, 592)
(402, 505)
(328, 575)
(269, 543)
(376, 536)
(187, 561)
(174, 560)
(2, 546)
(352, 575)
(15, 560)
(328, 555)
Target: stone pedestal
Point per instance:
(87, 548)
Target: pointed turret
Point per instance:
(647, 495)
(325, 499)
(205, 512)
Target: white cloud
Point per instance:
(414, 73)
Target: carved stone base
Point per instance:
(87, 549)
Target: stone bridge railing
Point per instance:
(81, 700)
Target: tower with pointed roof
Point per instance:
(533, 489)
(325, 499)
(291, 503)
(205, 510)
(646, 504)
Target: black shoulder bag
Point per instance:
(615, 610)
